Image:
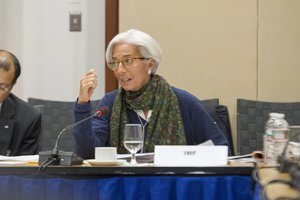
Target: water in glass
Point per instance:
(133, 140)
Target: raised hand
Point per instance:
(88, 83)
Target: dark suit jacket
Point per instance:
(20, 127)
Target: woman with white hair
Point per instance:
(169, 116)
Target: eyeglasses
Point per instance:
(127, 62)
(4, 89)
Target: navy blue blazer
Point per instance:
(198, 125)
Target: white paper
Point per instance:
(207, 143)
(140, 157)
(12, 163)
(240, 156)
(122, 156)
(18, 159)
(244, 160)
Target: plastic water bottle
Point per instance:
(275, 138)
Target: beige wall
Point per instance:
(226, 49)
(279, 50)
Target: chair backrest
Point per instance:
(210, 103)
(220, 115)
(40, 109)
(251, 118)
(56, 116)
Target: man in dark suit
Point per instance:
(20, 123)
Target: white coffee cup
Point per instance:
(106, 154)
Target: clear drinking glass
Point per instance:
(293, 147)
(133, 140)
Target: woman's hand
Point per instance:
(88, 83)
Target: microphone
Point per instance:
(56, 157)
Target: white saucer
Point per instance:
(106, 163)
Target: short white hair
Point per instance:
(148, 47)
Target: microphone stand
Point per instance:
(55, 149)
(56, 157)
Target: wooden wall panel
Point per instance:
(226, 49)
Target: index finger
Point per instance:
(91, 71)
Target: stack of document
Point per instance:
(17, 160)
(140, 157)
(255, 156)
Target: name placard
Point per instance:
(181, 155)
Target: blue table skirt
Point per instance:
(129, 188)
(257, 195)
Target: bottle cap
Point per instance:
(274, 115)
(281, 115)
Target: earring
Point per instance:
(149, 71)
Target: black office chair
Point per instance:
(251, 118)
(40, 109)
(220, 115)
(210, 103)
(56, 116)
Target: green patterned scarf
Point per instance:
(165, 126)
